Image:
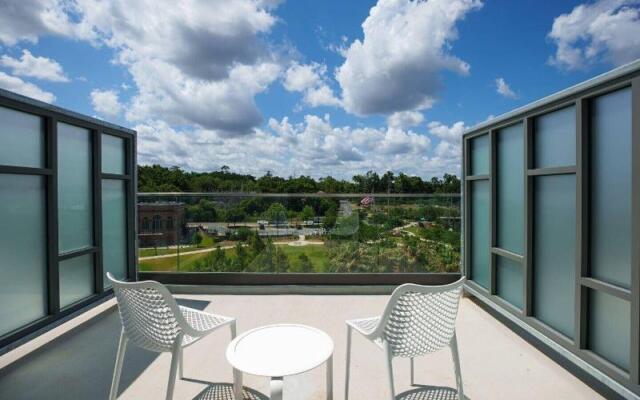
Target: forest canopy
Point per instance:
(156, 178)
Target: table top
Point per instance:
(279, 350)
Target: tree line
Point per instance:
(156, 178)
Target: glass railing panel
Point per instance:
(299, 233)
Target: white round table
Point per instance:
(276, 351)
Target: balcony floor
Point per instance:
(496, 363)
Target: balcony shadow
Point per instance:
(79, 364)
(224, 391)
(426, 392)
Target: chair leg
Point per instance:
(456, 365)
(389, 362)
(115, 382)
(346, 379)
(181, 363)
(413, 376)
(237, 375)
(329, 378)
(175, 358)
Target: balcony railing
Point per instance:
(298, 234)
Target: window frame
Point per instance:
(581, 97)
(51, 116)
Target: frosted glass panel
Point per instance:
(609, 327)
(555, 139)
(480, 232)
(509, 281)
(113, 152)
(23, 276)
(74, 188)
(21, 139)
(479, 151)
(554, 249)
(510, 188)
(611, 188)
(114, 228)
(76, 279)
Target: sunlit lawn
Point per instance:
(207, 242)
(317, 256)
(187, 262)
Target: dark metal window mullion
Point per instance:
(582, 221)
(634, 370)
(97, 211)
(466, 243)
(131, 190)
(53, 275)
(527, 264)
(493, 215)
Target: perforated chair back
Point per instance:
(420, 319)
(150, 315)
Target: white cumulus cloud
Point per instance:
(311, 80)
(15, 84)
(234, 62)
(216, 92)
(405, 119)
(603, 31)
(406, 46)
(300, 77)
(313, 147)
(503, 89)
(448, 151)
(35, 67)
(27, 20)
(106, 102)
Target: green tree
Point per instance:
(264, 261)
(305, 263)
(156, 178)
(197, 238)
(308, 213)
(276, 213)
(218, 259)
(235, 214)
(242, 257)
(256, 244)
(330, 218)
(280, 260)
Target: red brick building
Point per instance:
(160, 224)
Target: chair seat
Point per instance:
(201, 321)
(365, 326)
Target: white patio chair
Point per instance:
(152, 319)
(417, 320)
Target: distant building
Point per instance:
(160, 224)
(367, 201)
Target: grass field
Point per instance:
(207, 242)
(170, 263)
(161, 251)
(317, 254)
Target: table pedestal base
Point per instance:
(276, 388)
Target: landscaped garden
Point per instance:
(390, 238)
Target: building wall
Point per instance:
(67, 209)
(160, 224)
(552, 220)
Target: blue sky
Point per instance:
(307, 87)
